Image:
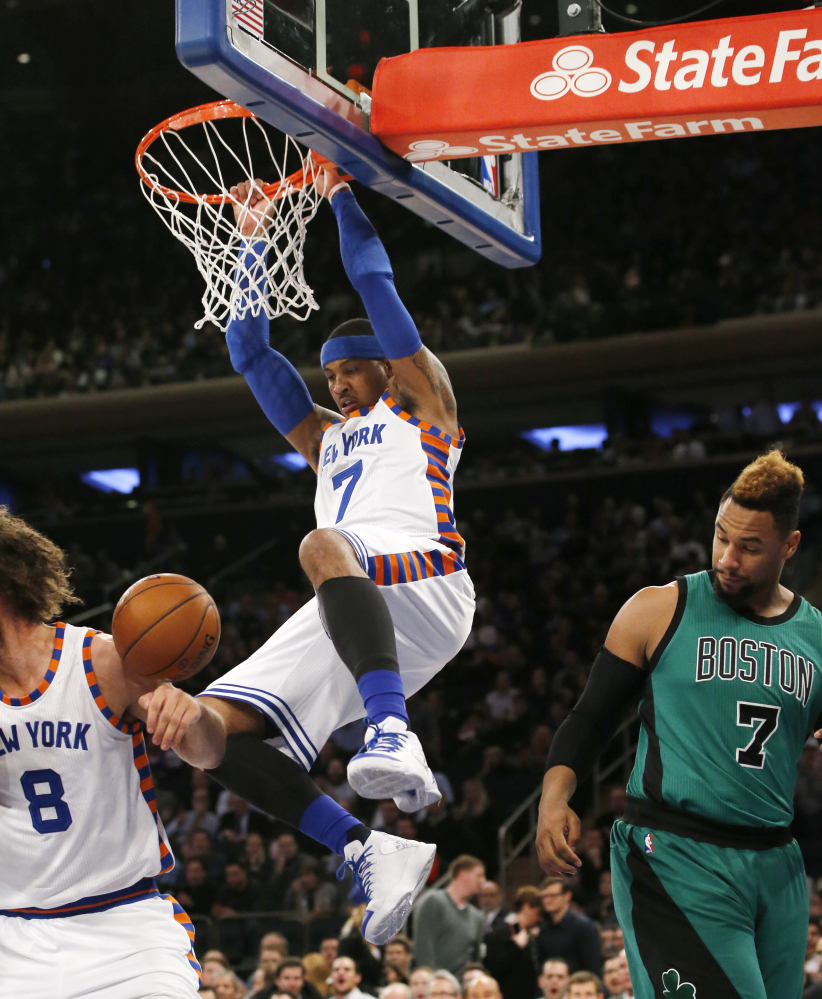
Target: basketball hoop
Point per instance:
(263, 271)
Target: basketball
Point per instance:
(166, 626)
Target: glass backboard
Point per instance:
(306, 66)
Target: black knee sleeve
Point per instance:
(359, 624)
(265, 777)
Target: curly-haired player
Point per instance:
(80, 913)
(709, 884)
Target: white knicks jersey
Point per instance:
(384, 474)
(78, 819)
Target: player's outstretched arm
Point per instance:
(615, 682)
(420, 376)
(174, 719)
(276, 384)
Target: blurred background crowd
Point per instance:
(95, 293)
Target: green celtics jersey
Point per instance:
(727, 707)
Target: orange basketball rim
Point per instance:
(216, 111)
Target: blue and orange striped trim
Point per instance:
(182, 917)
(138, 748)
(344, 419)
(436, 444)
(428, 428)
(45, 683)
(129, 728)
(408, 567)
(144, 888)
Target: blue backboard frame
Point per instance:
(303, 106)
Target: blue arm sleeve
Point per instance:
(369, 271)
(276, 383)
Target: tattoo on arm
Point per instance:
(436, 377)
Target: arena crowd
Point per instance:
(662, 242)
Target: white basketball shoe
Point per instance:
(391, 872)
(392, 764)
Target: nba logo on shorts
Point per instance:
(649, 842)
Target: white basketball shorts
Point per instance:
(142, 950)
(304, 689)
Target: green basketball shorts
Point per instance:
(707, 922)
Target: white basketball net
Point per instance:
(262, 271)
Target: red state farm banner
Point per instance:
(733, 75)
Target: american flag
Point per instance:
(249, 13)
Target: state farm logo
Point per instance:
(432, 149)
(573, 70)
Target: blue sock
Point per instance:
(328, 823)
(382, 695)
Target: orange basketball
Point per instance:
(166, 626)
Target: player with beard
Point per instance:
(709, 884)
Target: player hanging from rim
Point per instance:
(394, 603)
(709, 884)
(80, 912)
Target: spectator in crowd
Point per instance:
(612, 975)
(472, 970)
(345, 980)
(398, 951)
(612, 940)
(238, 821)
(484, 987)
(448, 930)
(554, 978)
(214, 963)
(196, 893)
(261, 983)
(478, 820)
(255, 858)
(584, 985)
(198, 844)
(512, 956)
(287, 863)
(290, 979)
(335, 784)
(317, 971)
(500, 700)
(490, 903)
(308, 894)
(329, 948)
(419, 981)
(443, 985)
(228, 986)
(236, 895)
(593, 854)
(623, 982)
(392, 974)
(273, 948)
(199, 816)
(206, 992)
(396, 990)
(441, 828)
(601, 908)
(566, 933)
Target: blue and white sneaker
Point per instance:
(391, 872)
(413, 801)
(392, 764)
